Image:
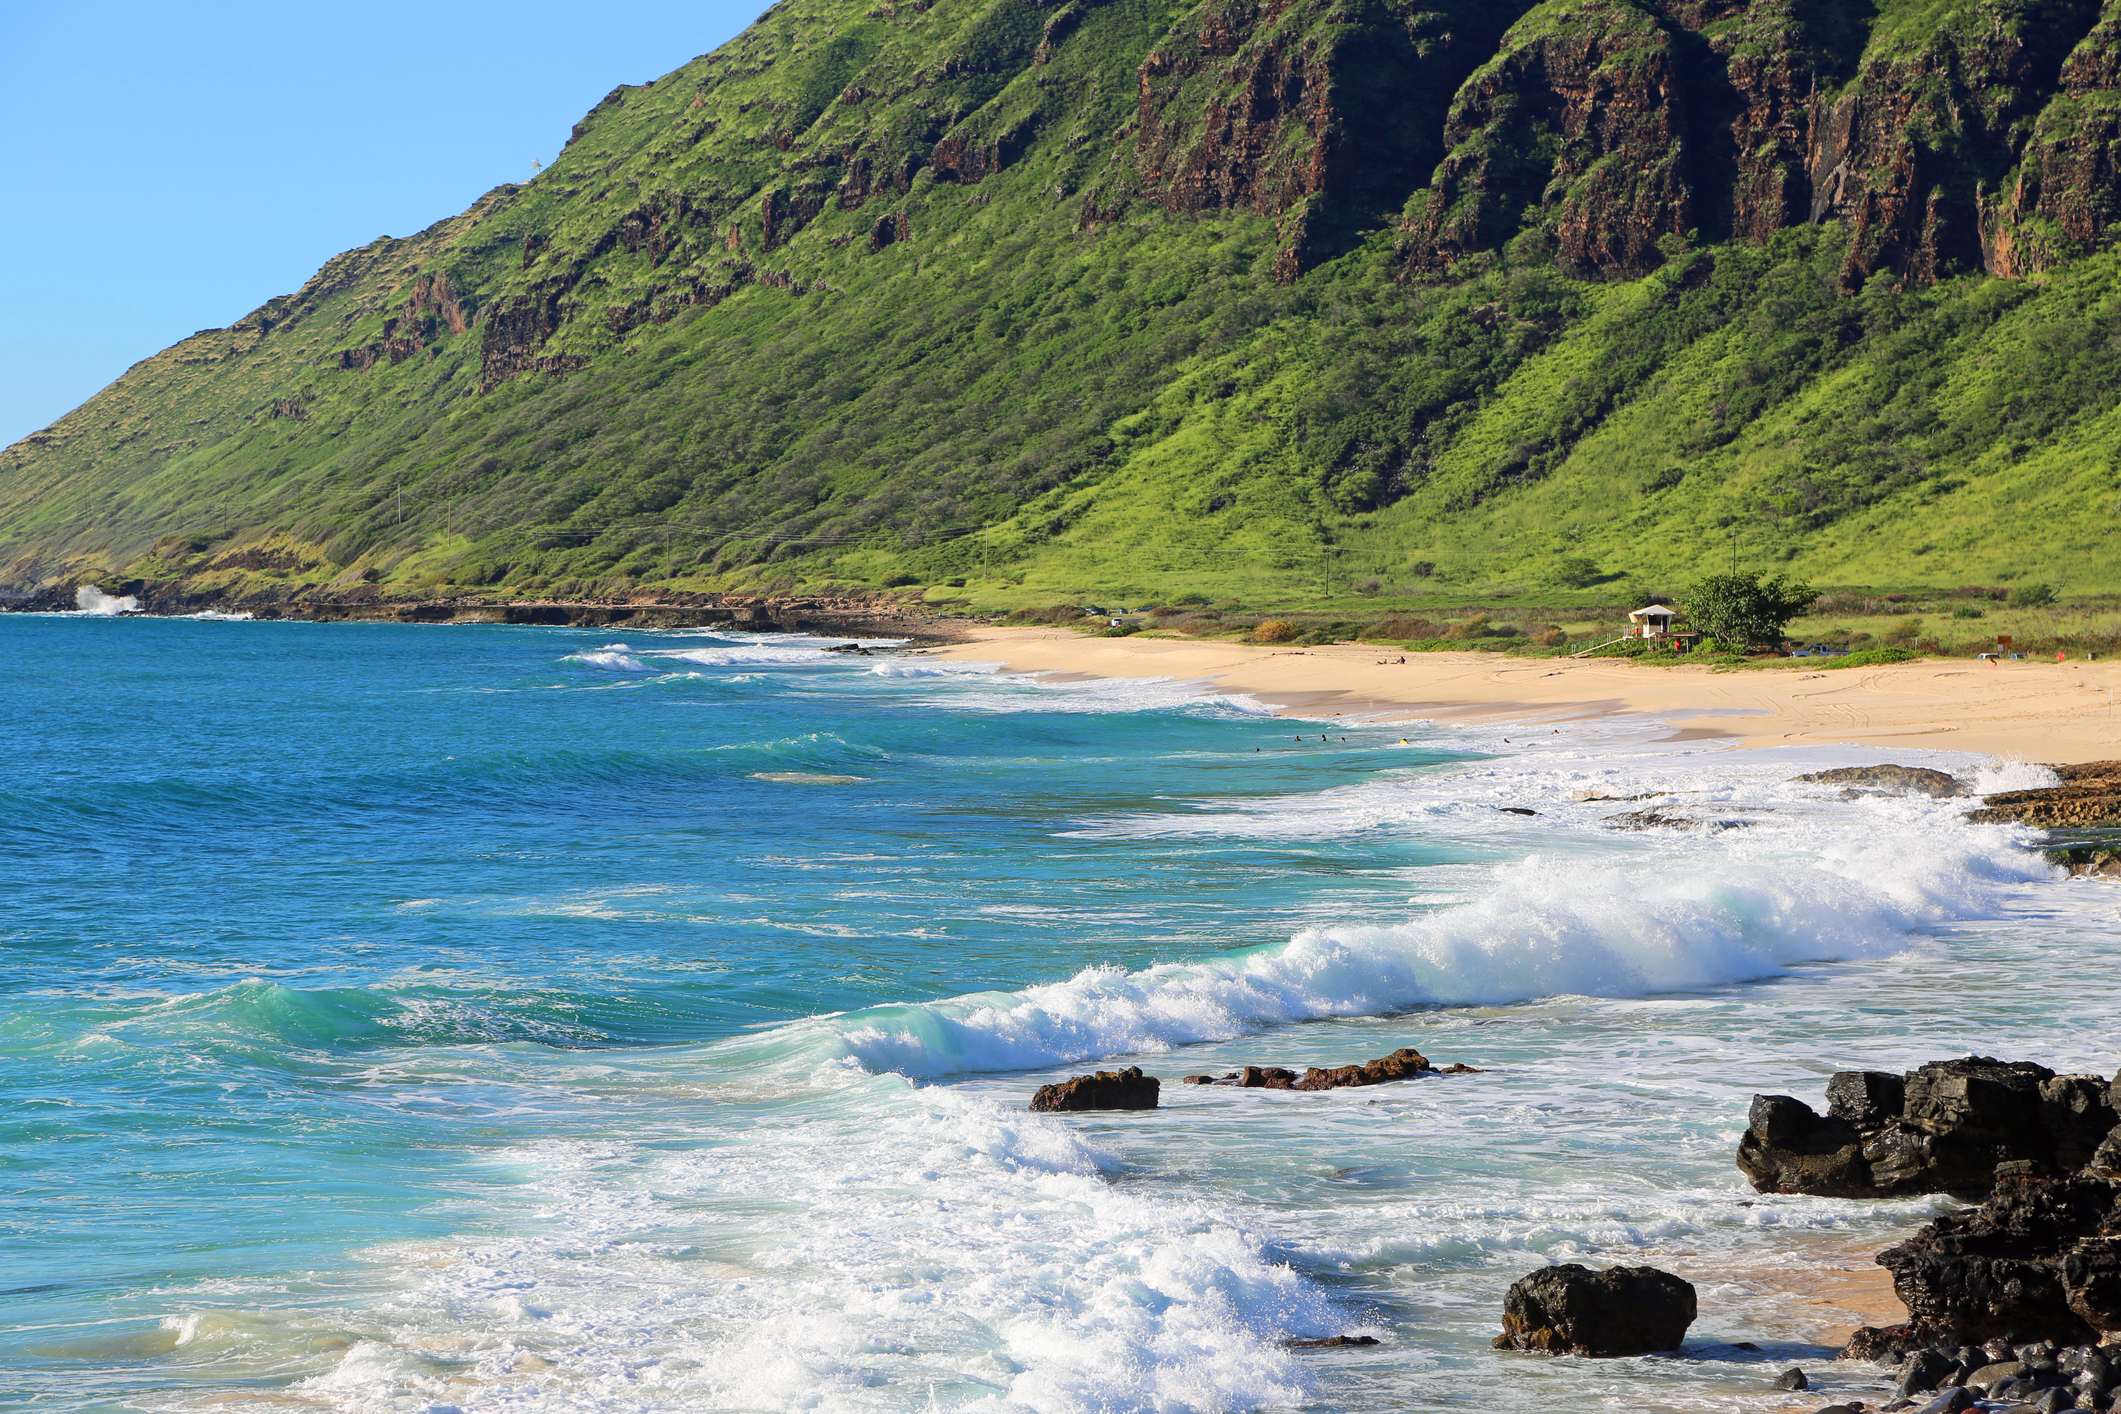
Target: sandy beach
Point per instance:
(2040, 711)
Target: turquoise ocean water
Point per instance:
(465, 1019)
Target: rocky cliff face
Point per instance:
(2062, 198)
(1319, 112)
(1611, 125)
(1581, 127)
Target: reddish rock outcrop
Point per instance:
(1581, 121)
(2066, 193)
(1406, 1063)
(1319, 113)
(1403, 1064)
(1614, 123)
(1903, 153)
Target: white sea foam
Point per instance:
(934, 668)
(934, 1249)
(212, 616)
(986, 688)
(94, 602)
(747, 655)
(611, 658)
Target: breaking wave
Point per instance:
(95, 603)
(1703, 912)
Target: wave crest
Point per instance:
(1543, 927)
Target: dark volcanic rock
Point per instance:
(1667, 820)
(1406, 1063)
(1403, 1064)
(1907, 780)
(1788, 1148)
(1884, 1344)
(2038, 1260)
(1866, 1097)
(2078, 1111)
(2052, 807)
(1330, 1342)
(1127, 1089)
(1942, 1128)
(1572, 1310)
(1922, 1372)
(1989, 1376)
(1792, 1379)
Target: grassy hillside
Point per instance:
(1131, 300)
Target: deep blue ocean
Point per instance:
(476, 1018)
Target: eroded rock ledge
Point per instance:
(2088, 797)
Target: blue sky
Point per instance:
(168, 168)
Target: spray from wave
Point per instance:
(94, 602)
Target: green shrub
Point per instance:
(899, 579)
(1968, 611)
(2032, 596)
(1274, 631)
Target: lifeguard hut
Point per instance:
(1653, 624)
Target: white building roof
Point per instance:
(1665, 609)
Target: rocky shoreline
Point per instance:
(881, 616)
(2081, 813)
(2013, 1305)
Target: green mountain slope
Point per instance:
(1136, 298)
